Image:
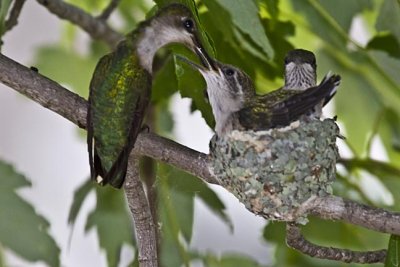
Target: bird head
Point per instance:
(175, 23)
(228, 89)
(223, 79)
(300, 69)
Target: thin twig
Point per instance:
(108, 10)
(296, 240)
(96, 28)
(12, 19)
(144, 224)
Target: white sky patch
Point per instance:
(358, 31)
(374, 189)
(378, 151)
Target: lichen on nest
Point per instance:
(275, 172)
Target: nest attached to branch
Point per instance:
(275, 173)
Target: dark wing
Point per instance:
(282, 107)
(256, 115)
(120, 166)
(102, 68)
(304, 102)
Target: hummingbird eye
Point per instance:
(229, 72)
(286, 61)
(188, 24)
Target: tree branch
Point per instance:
(108, 10)
(296, 240)
(12, 19)
(144, 224)
(96, 28)
(336, 208)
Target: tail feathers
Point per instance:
(302, 103)
(115, 176)
(324, 80)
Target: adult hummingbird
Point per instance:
(120, 90)
(236, 106)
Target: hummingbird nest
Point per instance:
(275, 173)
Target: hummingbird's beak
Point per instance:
(205, 59)
(191, 63)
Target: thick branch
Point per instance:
(336, 208)
(144, 224)
(295, 239)
(96, 28)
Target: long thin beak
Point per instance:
(191, 63)
(205, 59)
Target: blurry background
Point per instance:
(357, 39)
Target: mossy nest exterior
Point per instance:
(275, 172)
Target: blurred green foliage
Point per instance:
(393, 259)
(21, 228)
(253, 35)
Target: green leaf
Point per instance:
(21, 228)
(339, 235)
(80, 195)
(112, 221)
(388, 174)
(378, 168)
(233, 50)
(344, 11)
(4, 7)
(132, 12)
(356, 96)
(389, 18)
(321, 22)
(2, 260)
(177, 191)
(90, 5)
(192, 85)
(229, 261)
(165, 83)
(67, 67)
(393, 121)
(244, 15)
(331, 20)
(164, 123)
(385, 42)
(393, 252)
(176, 216)
(390, 66)
(193, 186)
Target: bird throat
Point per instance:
(299, 77)
(222, 101)
(154, 36)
